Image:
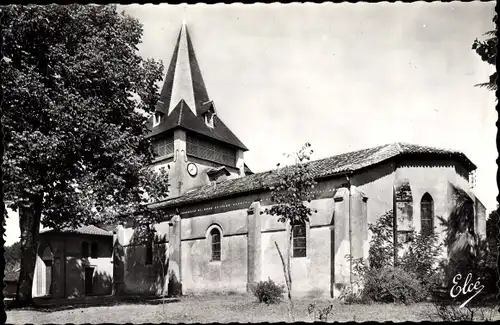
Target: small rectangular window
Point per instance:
(299, 241)
(85, 249)
(94, 250)
(149, 253)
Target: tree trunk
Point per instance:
(29, 223)
(289, 272)
(288, 284)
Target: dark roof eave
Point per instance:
(73, 233)
(159, 205)
(459, 156)
(154, 135)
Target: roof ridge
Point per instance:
(398, 147)
(180, 111)
(326, 167)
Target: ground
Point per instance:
(219, 309)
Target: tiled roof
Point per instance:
(194, 94)
(339, 164)
(84, 230)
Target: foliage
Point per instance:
(322, 312)
(381, 249)
(73, 135)
(422, 257)
(354, 294)
(12, 255)
(293, 189)
(487, 50)
(418, 267)
(468, 251)
(76, 98)
(390, 284)
(268, 292)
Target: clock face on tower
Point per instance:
(192, 169)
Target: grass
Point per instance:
(223, 309)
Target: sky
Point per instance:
(340, 76)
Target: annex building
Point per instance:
(214, 236)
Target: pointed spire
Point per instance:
(183, 80)
(182, 87)
(184, 98)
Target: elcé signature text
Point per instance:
(466, 288)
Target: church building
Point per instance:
(215, 236)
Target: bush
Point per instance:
(422, 257)
(268, 292)
(392, 284)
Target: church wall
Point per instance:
(480, 221)
(199, 274)
(141, 278)
(377, 184)
(435, 177)
(431, 177)
(317, 274)
(133, 275)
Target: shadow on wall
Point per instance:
(464, 245)
(146, 268)
(85, 279)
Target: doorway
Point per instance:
(89, 280)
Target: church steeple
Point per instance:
(184, 80)
(184, 100)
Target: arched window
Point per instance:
(427, 215)
(299, 241)
(85, 249)
(94, 250)
(215, 237)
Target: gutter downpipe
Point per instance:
(350, 225)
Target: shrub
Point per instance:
(319, 313)
(268, 292)
(392, 284)
(422, 257)
(381, 251)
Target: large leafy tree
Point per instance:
(76, 96)
(487, 50)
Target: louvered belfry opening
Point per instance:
(210, 150)
(164, 146)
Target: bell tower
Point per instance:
(186, 130)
